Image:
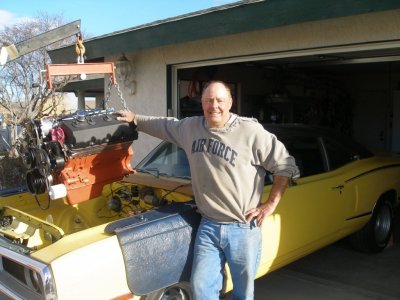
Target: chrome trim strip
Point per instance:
(371, 171)
(42, 269)
(359, 216)
(4, 290)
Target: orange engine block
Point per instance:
(75, 156)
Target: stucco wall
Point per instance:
(150, 71)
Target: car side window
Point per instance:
(307, 152)
(268, 179)
(339, 154)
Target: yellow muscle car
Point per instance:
(134, 238)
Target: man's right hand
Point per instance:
(125, 116)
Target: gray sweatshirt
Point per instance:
(227, 164)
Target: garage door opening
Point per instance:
(356, 93)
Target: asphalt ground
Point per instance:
(337, 272)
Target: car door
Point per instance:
(311, 212)
(340, 156)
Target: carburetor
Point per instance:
(76, 155)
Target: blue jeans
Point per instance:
(237, 244)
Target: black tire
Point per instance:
(376, 234)
(179, 291)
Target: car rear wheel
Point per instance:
(376, 234)
(179, 291)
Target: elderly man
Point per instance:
(228, 156)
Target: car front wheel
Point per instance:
(376, 234)
(179, 291)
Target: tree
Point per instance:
(23, 94)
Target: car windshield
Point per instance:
(12, 175)
(167, 160)
(12, 170)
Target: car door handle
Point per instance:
(338, 187)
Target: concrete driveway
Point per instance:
(337, 272)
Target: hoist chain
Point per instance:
(107, 98)
(54, 102)
(119, 93)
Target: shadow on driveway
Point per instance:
(337, 272)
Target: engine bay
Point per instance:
(25, 227)
(76, 171)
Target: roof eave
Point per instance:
(239, 17)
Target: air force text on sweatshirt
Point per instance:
(228, 164)
(215, 147)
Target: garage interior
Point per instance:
(356, 93)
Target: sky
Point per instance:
(102, 17)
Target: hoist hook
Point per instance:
(80, 49)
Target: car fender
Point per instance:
(157, 246)
(93, 271)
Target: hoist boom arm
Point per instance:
(11, 52)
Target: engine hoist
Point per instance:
(74, 156)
